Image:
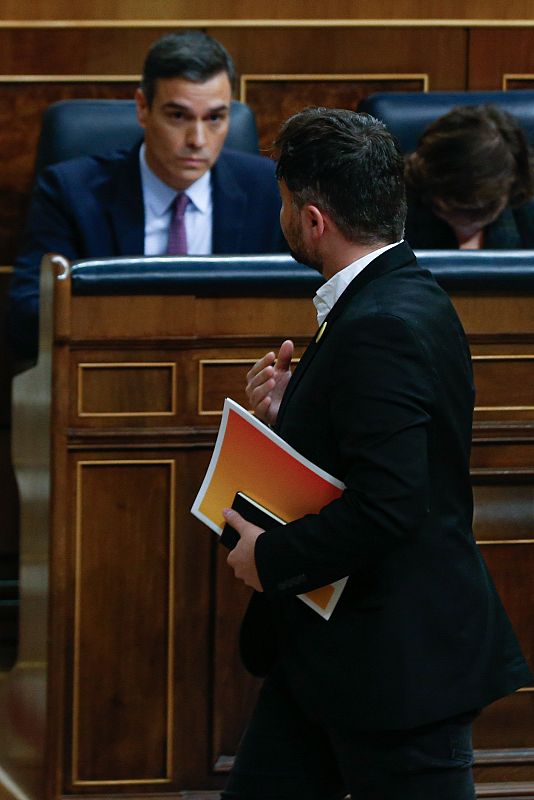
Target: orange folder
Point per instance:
(249, 457)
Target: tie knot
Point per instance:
(177, 241)
(180, 202)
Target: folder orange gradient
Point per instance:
(248, 457)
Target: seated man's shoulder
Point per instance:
(84, 170)
(249, 164)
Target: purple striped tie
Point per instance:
(177, 241)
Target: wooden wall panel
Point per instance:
(123, 603)
(219, 378)
(504, 512)
(22, 106)
(193, 636)
(126, 389)
(76, 51)
(5, 377)
(511, 565)
(233, 687)
(503, 520)
(493, 375)
(277, 9)
(210, 696)
(503, 475)
(494, 52)
(139, 607)
(521, 81)
(496, 452)
(439, 52)
(277, 97)
(495, 719)
(149, 391)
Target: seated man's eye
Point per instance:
(175, 116)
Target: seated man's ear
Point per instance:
(141, 106)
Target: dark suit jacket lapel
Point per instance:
(387, 262)
(126, 209)
(229, 206)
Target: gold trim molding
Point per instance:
(101, 78)
(267, 23)
(510, 357)
(171, 365)
(219, 362)
(520, 76)
(224, 362)
(378, 76)
(504, 541)
(170, 626)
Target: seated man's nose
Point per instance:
(196, 136)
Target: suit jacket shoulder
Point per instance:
(82, 208)
(246, 205)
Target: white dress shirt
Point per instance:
(158, 199)
(328, 294)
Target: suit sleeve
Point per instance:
(50, 228)
(378, 411)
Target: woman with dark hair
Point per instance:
(471, 182)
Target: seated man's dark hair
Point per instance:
(348, 165)
(191, 55)
(472, 160)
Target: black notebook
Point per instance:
(251, 511)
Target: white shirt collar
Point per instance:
(159, 196)
(330, 292)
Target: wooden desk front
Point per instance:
(128, 680)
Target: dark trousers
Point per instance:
(287, 755)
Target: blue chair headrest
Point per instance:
(407, 114)
(73, 128)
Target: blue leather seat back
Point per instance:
(281, 276)
(407, 114)
(73, 128)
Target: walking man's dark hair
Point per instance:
(348, 165)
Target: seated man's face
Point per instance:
(185, 127)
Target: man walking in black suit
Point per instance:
(378, 700)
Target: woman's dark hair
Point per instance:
(192, 55)
(348, 165)
(472, 159)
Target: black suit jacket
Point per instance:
(92, 207)
(384, 402)
(512, 230)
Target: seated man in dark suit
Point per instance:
(127, 203)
